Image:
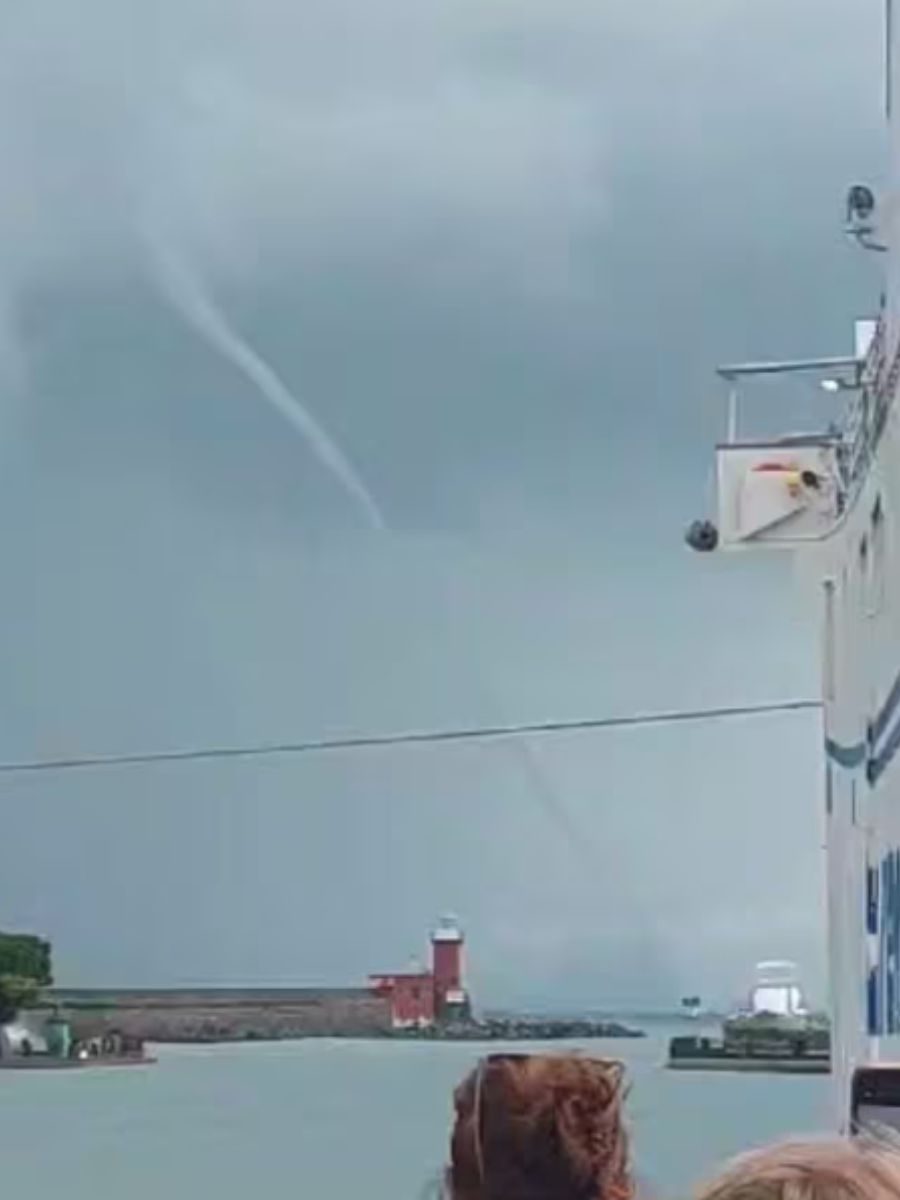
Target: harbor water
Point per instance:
(343, 1119)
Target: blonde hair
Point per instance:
(825, 1169)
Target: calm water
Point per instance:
(339, 1119)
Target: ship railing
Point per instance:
(823, 469)
(866, 415)
(869, 377)
(792, 489)
(735, 373)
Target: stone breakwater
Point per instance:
(514, 1029)
(256, 1014)
(224, 1014)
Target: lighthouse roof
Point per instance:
(448, 930)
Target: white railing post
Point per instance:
(732, 431)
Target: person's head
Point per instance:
(826, 1169)
(536, 1127)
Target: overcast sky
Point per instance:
(496, 249)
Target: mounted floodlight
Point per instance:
(861, 224)
(833, 386)
(860, 204)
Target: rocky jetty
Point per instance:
(520, 1029)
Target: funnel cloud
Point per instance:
(184, 290)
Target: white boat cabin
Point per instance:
(777, 991)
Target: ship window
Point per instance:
(874, 575)
(829, 672)
(871, 900)
(877, 520)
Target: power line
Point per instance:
(482, 733)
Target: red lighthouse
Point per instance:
(418, 999)
(450, 998)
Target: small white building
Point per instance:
(20, 1035)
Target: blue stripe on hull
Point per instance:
(881, 722)
(877, 757)
(879, 762)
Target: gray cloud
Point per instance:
(495, 249)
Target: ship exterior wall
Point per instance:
(861, 572)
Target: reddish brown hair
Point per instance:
(535, 1127)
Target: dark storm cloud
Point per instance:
(495, 248)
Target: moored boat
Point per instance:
(775, 1031)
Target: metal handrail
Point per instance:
(875, 381)
(789, 366)
(865, 417)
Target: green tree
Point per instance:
(16, 992)
(25, 968)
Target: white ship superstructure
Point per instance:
(834, 497)
(777, 991)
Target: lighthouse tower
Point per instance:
(450, 998)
